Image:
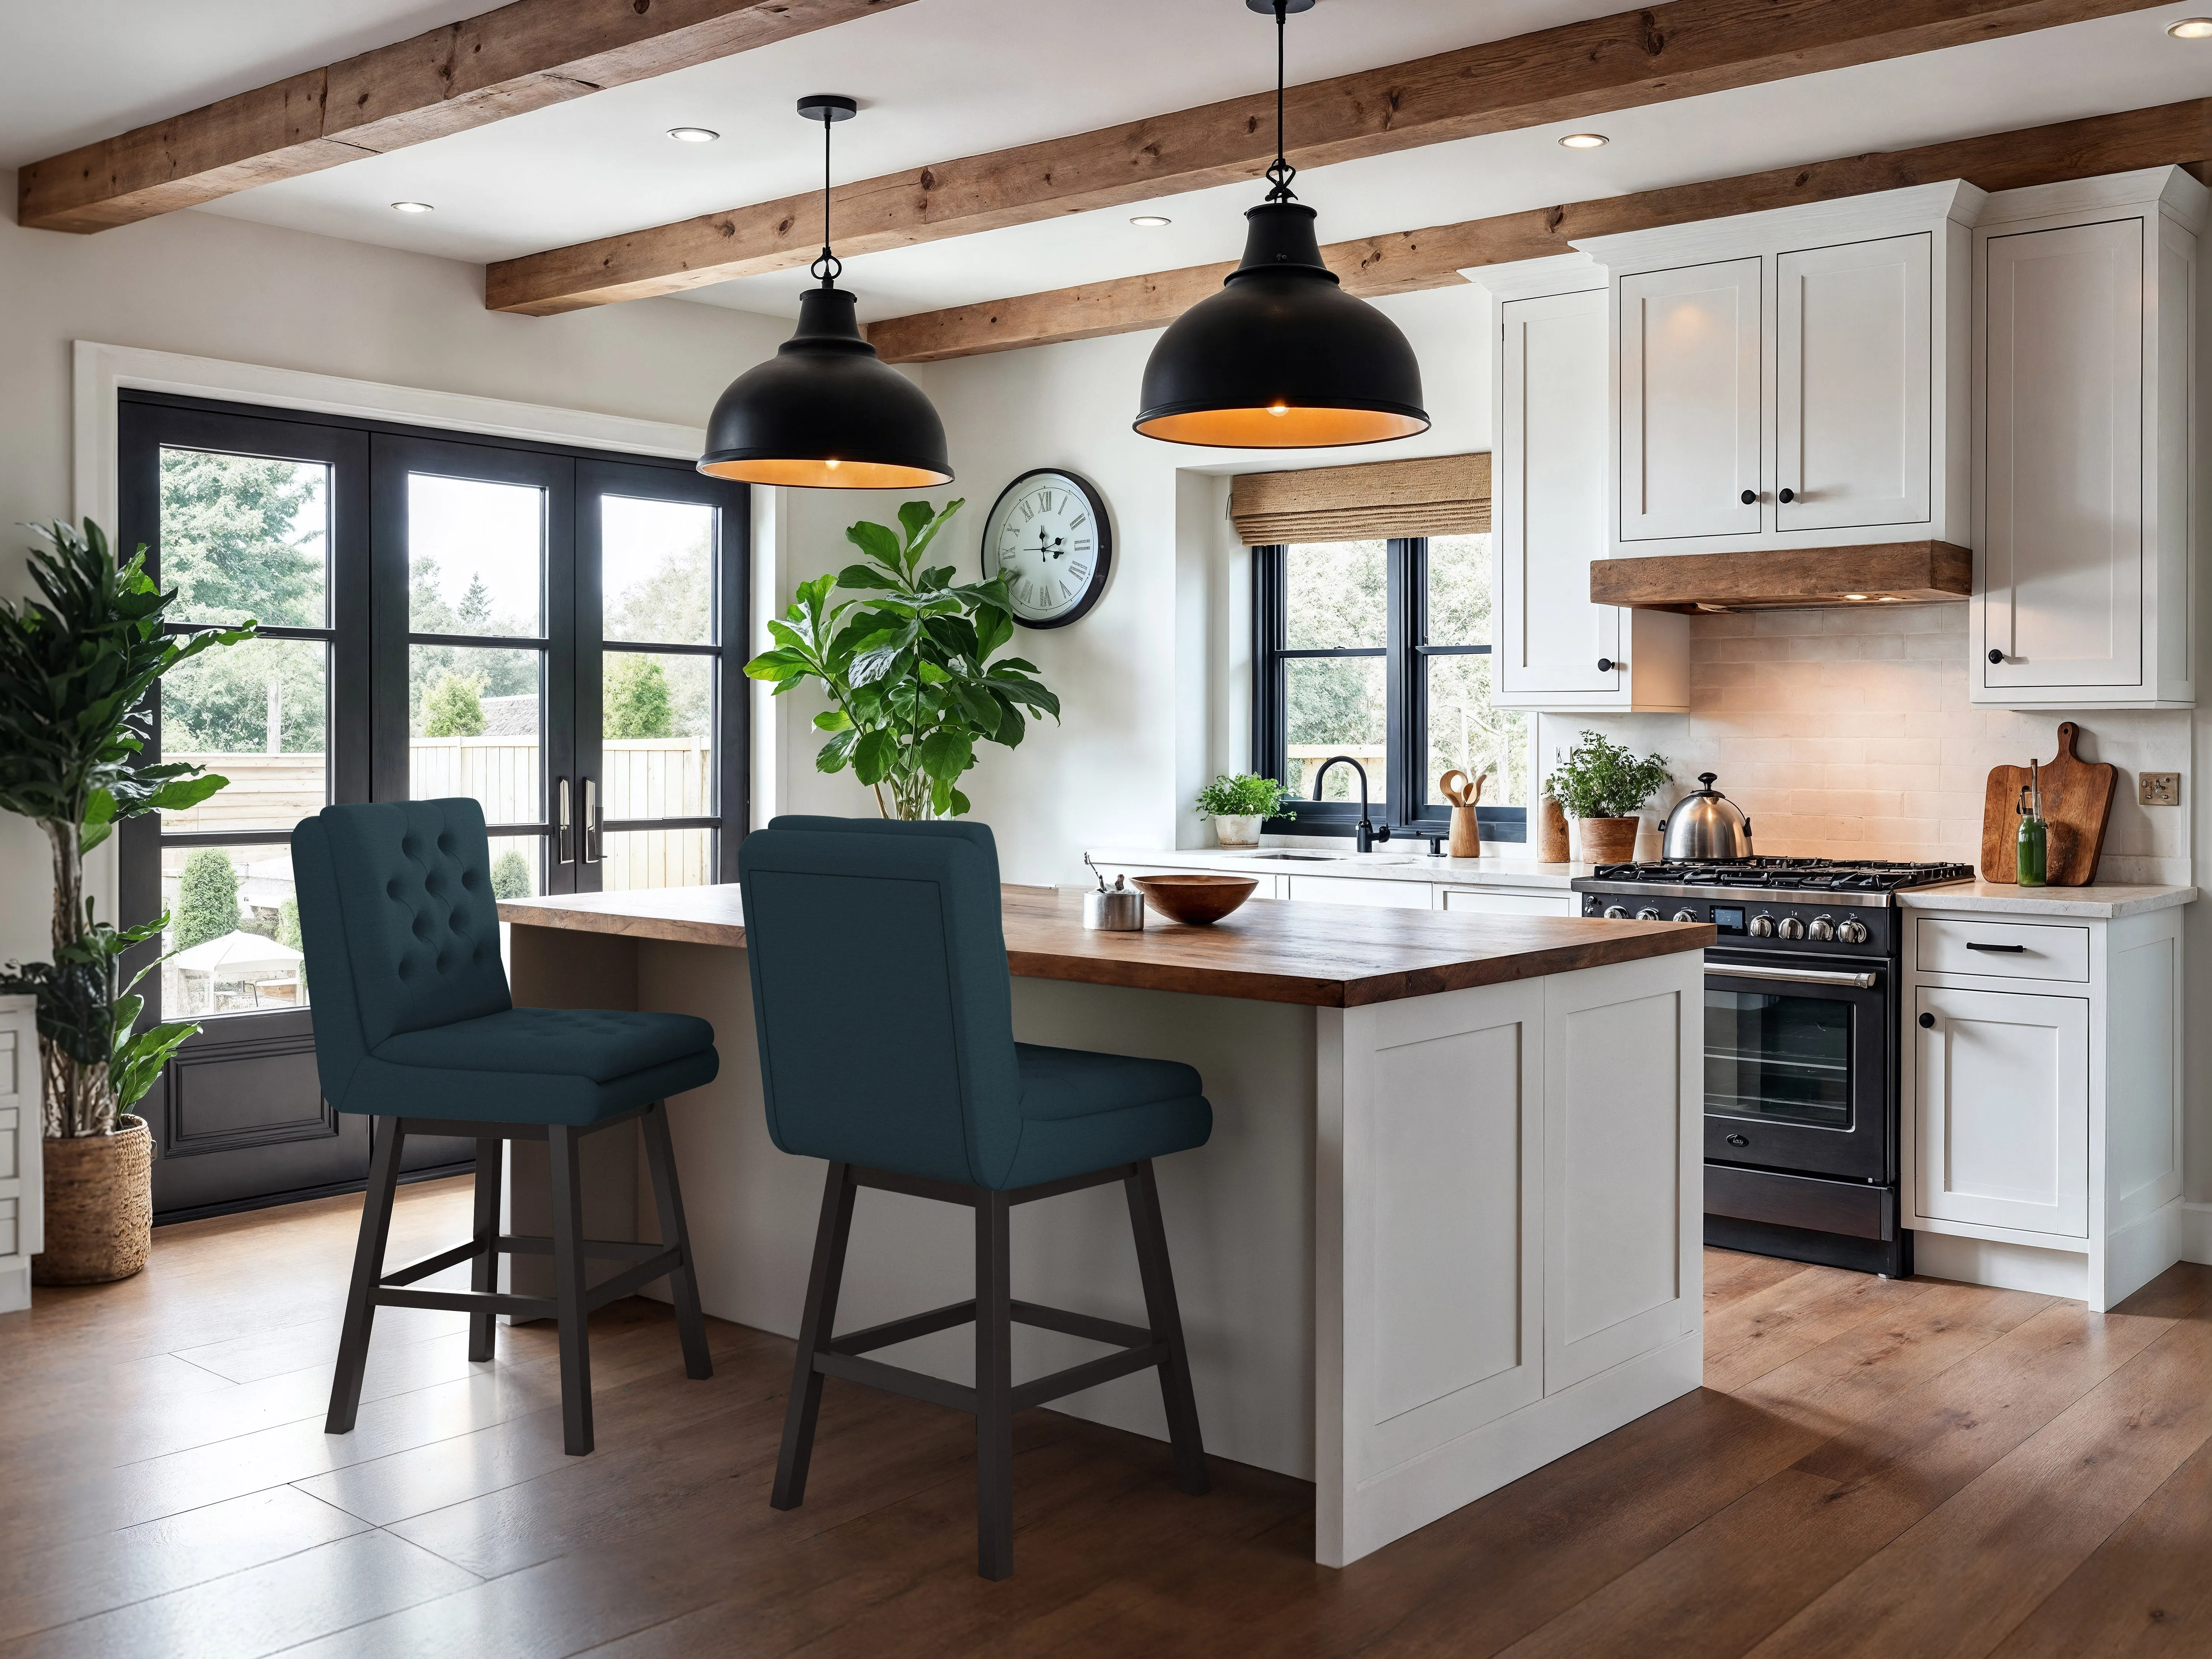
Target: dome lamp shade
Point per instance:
(825, 412)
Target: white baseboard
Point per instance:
(2197, 1233)
(14, 1287)
(2009, 1267)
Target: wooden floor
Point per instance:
(1899, 1469)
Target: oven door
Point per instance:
(1797, 1065)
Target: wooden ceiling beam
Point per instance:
(1416, 259)
(1679, 50)
(520, 57)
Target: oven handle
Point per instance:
(1795, 976)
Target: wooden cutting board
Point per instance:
(2077, 804)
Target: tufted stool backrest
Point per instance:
(415, 918)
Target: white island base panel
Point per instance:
(1433, 1244)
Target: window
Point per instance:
(1381, 650)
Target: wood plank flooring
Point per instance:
(1873, 1468)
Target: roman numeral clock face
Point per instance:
(1047, 535)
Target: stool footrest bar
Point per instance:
(497, 1301)
(630, 1281)
(1088, 1374)
(897, 1379)
(904, 1330)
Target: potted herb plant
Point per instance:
(908, 669)
(1238, 805)
(1605, 785)
(75, 668)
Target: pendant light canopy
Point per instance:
(825, 412)
(1282, 358)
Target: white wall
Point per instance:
(215, 287)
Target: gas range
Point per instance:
(1867, 882)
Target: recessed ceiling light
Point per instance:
(1585, 140)
(1151, 221)
(410, 207)
(2192, 28)
(693, 134)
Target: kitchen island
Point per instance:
(1446, 1230)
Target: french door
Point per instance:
(538, 629)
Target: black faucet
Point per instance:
(1366, 834)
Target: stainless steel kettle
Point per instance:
(1705, 826)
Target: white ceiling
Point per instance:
(943, 78)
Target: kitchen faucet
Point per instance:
(1366, 834)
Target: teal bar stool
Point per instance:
(886, 1019)
(414, 1025)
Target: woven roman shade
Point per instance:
(1438, 495)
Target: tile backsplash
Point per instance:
(1846, 733)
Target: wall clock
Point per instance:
(1047, 534)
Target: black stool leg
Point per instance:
(484, 1272)
(368, 1268)
(1165, 1318)
(682, 1282)
(994, 1388)
(815, 1327)
(568, 1289)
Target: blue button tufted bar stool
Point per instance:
(414, 1025)
(886, 1019)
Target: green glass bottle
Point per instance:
(2033, 859)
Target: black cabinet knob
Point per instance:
(1927, 1022)
(1749, 496)
(1739, 1140)
(1995, 655)
(1605, 665)
(1786, 496)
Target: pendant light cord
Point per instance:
(829, 267)
(1279, 171)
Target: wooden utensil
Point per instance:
(1466, 833)
(2077, 804)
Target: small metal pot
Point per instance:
(1707, 827)
(1115, 909)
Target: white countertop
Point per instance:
(2099, 901)
(1389, 863)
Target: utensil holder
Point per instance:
(1116, 910)
(1466, 833)
(1551, 848)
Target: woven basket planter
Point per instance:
(100, 1207)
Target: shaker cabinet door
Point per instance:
(1853, 385)
(2000, 1109)
(1690, 415)
(2062, 517)
(1549, 501)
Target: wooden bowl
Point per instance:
(1194, 900)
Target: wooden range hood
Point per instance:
(1912, 572)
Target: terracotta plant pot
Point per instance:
(1609, 841)
(1238, 831)
(100, 1207)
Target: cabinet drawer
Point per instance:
(11, 1156)
(1361, 889)
(8, 1234)
(2009, 950)
(1495, 901)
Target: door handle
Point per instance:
(1791, 976)
(1995, 655)
(563, 825)
(1786, 496)
(1999, 950)
(1748, 497)
(590, 821)
(1927, 1022)
(1607, 664)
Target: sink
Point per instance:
(1302, 858)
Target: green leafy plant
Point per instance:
(637, 701)
(75, 664)
(453, 707)
(1601, 778)
(908, 669)
(207, 897)
(1245, 796)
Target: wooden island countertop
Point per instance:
(1327, 956)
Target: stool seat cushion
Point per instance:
(598, 1043)
(1063, 1083)
(1082, 1112)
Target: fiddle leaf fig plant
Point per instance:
(76, 665)
(1601, 778)
(910, 669)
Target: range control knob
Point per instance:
(1649, 913)
(1791, 927)
(1762, 926)
(1852, 932)
(1686, 916)
(1616, 912)
(1821, 931)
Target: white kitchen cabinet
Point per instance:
(21, 1227)
(2083, 337)
(1690, 415)
(2042, 1085)
(1550, 385)
(1360, 890)
(1508, 900)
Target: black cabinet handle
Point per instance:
(1927, 1022)
(1749, 496)
(1739, 1140)
(1999, 950)
(1786, 496)
(1995, 655)
(1605, 665)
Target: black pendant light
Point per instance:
(825, 412)
(1282, 358)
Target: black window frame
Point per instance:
(1406, 653)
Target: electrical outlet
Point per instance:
(2160, 788)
